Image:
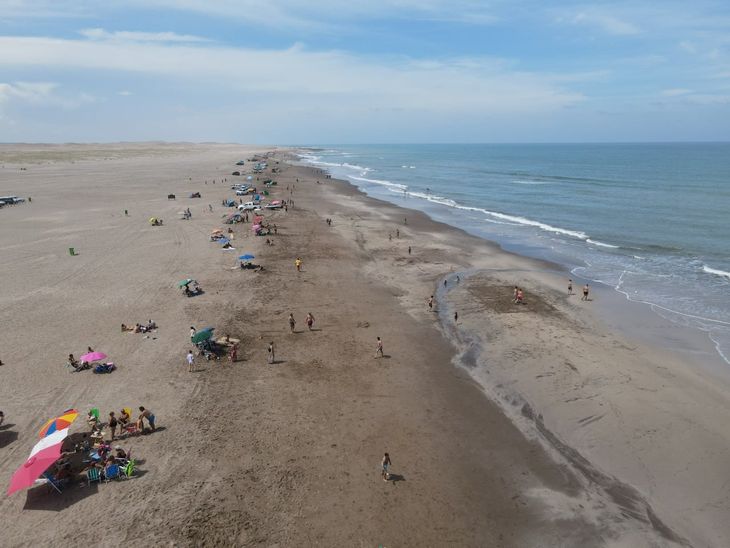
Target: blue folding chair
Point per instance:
(113, 471)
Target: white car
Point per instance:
(249, 206)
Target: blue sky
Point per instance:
(380, 71)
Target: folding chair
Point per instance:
(112, 472)
(93, 475)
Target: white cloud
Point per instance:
(297, 76)
(122, 36)
(675, 92)
(608, 23)
(124, 93)
(30, 92)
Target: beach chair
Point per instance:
(113, 471)
(93, 475)
(128, 470)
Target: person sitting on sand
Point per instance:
(73, 362)
(119, 453)
(124, 419)
(151, 325)
(146, 414)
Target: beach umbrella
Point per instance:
(202, 335)
(92, 357)
(42, 456)
(59, 423)
(185, 282)
(246, 257)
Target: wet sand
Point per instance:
(288, 454)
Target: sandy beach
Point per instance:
(517, 425)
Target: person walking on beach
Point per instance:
(233, 355)
(570, 287)
(444, 283)
(456, 317)
(292, 323)
(430, 303)
(385, 464)
(586, 290)
(379, 348)
(210, 208)
(298, 264)
(514, 294)
(409, 250)
(271, 352)
(192, 331)
(191, 361)
(310, 320)
(397, 233)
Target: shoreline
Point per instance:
(656, 329)
(540, 415)
(296, 446)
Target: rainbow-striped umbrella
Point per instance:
(59, 423)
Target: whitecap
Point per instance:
(601, 244)
(715, 271)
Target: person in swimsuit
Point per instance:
(430, 302)
(386, 466)
(113, 424)
(379, 349)
(271, 352)
(292, 323)
(586, 290)
(570, 287)
(310, 320)
(146, 414)
(124, 419)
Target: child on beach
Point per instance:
(379, 349)
(191, 361)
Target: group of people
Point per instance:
(309, 320)
(518, 295)
(140, 328)
(123, 421)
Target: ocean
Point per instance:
(651, 221)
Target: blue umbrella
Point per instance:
(246, 257)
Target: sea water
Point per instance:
(651, 221)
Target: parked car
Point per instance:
(236, 173)
(248, 206)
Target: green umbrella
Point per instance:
(185, 282)
(202, 335)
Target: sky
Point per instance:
(374, 71)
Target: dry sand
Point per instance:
(589, 439)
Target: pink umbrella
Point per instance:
(92, 357)
(44, 454)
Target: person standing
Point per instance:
(430, 303)
(397, 232)
(409, 250)
(310, 320)
(379, 348)
(271, 352)
(570, 287)
(292, 323)
(146, 414)
(233, 356)
(113, 424)
(191, 361)
(385, 464)
(298, 264)
(586, 290)
(456, 317)
(192, 328)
